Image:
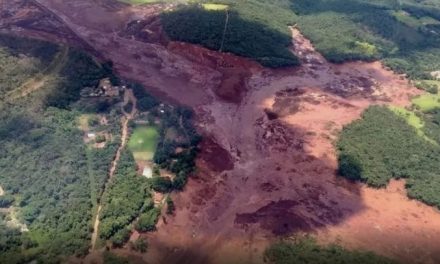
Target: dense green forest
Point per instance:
(53, 179)
(43, 161)
(21, 60)
(240, 36)
(405, 34)
(123, 200)
(383, 145)
(305, 251)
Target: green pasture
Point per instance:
(143, 142)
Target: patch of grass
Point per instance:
(406, 18)
(433, 82)
(83, 122)
(413, 120)
(413, 21)
(430, 86)
(215, 7)
(86, 122)
(143, 142)
(427, 102)
(339, 38)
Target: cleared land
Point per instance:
(143, 142)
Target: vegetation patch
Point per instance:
(430, 86)
(402, 32)
(427, 102)
(229, 31)
(177, 143)
(110, 258)
(51, 177)
(43, 160)
(143, 142)
(413, 120)
(215, 7)
(383, 145)
(405, 34)
(304, 251)
(413, 21)
(147, 221)
(123, 200)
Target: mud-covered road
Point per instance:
(268, 165)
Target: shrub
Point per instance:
(146, 103)
(430, 88)
(170, 206)
(100, 139)
(140, 245)
(6, 201)
(161, 184)
(147, 221)
(120, 237)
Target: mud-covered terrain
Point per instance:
(267, 166)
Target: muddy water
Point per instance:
(263, 175)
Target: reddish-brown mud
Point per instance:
(268, 164)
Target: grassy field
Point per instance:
(427, 102)
(143, 142)
(215, 7)
(413, 120)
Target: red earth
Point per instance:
(267, 167)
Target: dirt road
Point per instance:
(267, 166)
(128, 97)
